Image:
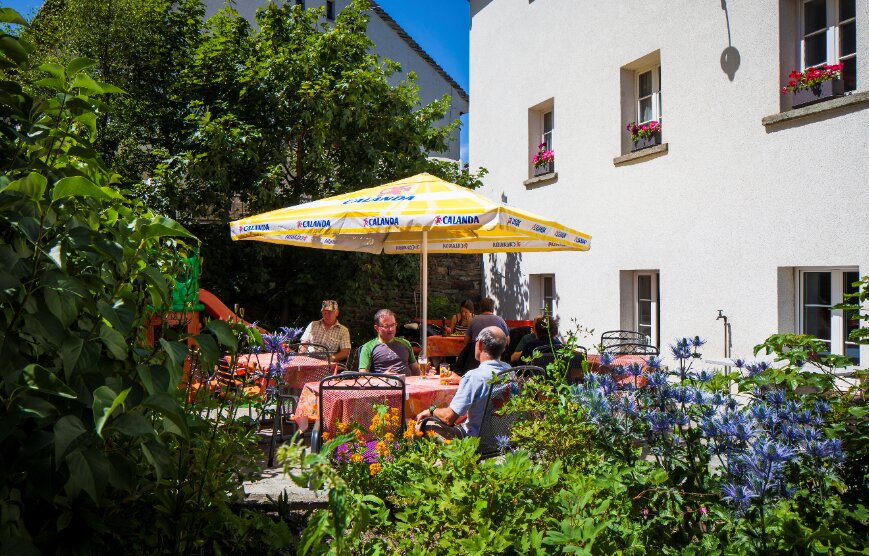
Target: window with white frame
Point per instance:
(647, 309)
(541, 132)
(828, 35)
(542, 297)
(548, 126)
(819, 290)
(649, 95)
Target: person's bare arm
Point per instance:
(341, 355)
(445, 414)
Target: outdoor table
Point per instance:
(420, 393)
(297, 370)
(595, 366)
(445, 346)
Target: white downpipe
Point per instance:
(424, 323)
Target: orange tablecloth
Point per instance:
(444, 346)
(297, 370)
(420, 394)
(595, 367)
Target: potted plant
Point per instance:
(544, 160)
(645, 135)
(815, 84)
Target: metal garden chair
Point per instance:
(350, 397)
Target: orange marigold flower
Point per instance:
(341, 427)
(408, 433)
(356, 458)
(326, 435)
(430, 434)
(374, 469)
(389, 437)
(381, 448)
(393, 410)
(411, 423)
(446, 440)
(418, 433)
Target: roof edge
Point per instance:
(381, 13)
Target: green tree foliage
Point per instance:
(95, 440)
(223, 118)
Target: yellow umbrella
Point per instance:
(420, 214)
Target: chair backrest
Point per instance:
(305, 363)
(496, 423)
(350, 397)
(627, 342)
(524, 373)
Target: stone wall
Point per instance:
(454, 276)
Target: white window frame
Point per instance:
(654, 325)
(837, 316)
(833, 38)
(547, 135)
(655, 95)
(538, 287)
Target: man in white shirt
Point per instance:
(329, 332)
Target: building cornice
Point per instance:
(381, 13)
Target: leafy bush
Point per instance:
(93, 415)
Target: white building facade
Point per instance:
(390, 41)
(744, 204)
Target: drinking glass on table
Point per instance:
(423, 364)
(445, 373)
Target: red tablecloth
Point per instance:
(420, 394)
(639, 382)
(444, 346)
(297, 370)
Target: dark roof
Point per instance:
(375, 7)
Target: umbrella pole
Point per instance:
(424, 323)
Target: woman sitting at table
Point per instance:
(458, 323)
(545, 339)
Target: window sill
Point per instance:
(543, 179)
(853, 99)
(637, 156)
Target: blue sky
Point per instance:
(439, 26)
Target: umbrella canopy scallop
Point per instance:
(391, 218)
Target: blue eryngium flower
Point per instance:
(657, 379)
(681, 349)
(697, 342)
(606, 358)
(738, 495)
(653, 362)
(503, 441)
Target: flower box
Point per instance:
(817, 93)
(547, 167)
(646, 142)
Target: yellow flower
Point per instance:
(358, 434)
(326, 435)
(381, 448)
(393, 410)
(389, 437)
(373, 427)
(356, 458)
(341, 427)
(374, 469)
(411, 423)
(430, 434)
(408, 433)
(446, 440)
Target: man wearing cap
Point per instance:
(329, 332)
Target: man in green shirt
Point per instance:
(386, 353)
